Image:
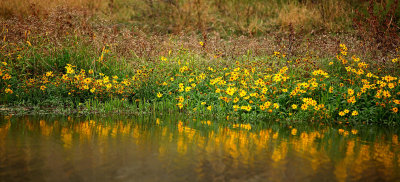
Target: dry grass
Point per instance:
(299, 16)
(24, 8)
(247, 17)
(61, 25)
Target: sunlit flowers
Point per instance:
(243, 89)
(6, 76)
(180, 99)
(242, 93)
(230, 91)
(8, 91)
(49, 74)
(69, 69)
(180, 105)
(246, 108)
(350, 91)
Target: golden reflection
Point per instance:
(395, 139)
(4, 131)
(66, 137)
(235, 148)
(362, 158)
(341, 171)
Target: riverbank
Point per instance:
(344, 88)
(68, 63)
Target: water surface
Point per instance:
(173, 148)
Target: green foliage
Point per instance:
(249, 89)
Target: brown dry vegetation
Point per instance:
(225, 16)
(63, 22)
(149, 29)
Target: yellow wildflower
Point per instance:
(386, 94)
(180, 105)
(247, 108)
(350, 91)
(6, 76)
(304, 107)
(267, 104)
(264, 90)
(231, 91)
(49, 74)
(351, 100)
(242, 93)
(8, 91)
(181, 99)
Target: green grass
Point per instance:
(135, 89)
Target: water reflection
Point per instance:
(169, 149)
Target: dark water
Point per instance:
(118, 148)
